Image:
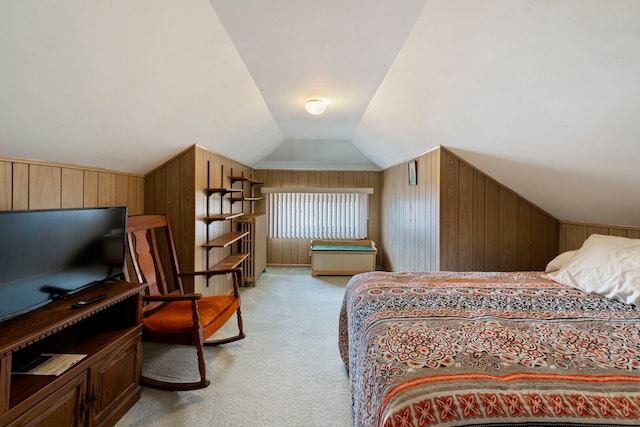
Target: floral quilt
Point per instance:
(487, 349)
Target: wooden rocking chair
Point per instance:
(173, 316)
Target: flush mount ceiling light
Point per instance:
(315, 106)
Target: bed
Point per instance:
(493, 349)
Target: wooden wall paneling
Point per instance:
(322, 179)
(40, 185)
(6, 184)
(492, 225)
(508, 231)
(159, 191)
(424, 219)
(122, 190)
(172, 208)
(385, 225)
(292, 251)
(187, 192)
(539, 239)
(135, 195)
(562, 237)
(394, 217)
(597, 229)
(106, 189)
(90, 189)
(133, 201)
(402, 190)
(203, 171)
(347, 179)
(409, 234)
(410, 226)
(478, 221)
(435, 202)
(149, 191)
(524, 235)
(20, 189)
(302, 256)
(465, 217)
(554, 239)
(422, 249)
(274, 251)
(44, 187)
(449, 214)
(287, 180)
(620, 232)
(495, 226)
(140, 185)
(572, 235)
(72, 188)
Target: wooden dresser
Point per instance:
(97, 390)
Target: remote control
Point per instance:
(89, 301)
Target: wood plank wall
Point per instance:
(296, 251)
(484, 226)
(27, 185)
(573, 234)
(177, 189)
(170, 191)
(458, 218)
(410, 223)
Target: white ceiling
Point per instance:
(543, 95)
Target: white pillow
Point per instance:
(606, 265)
(560, 261)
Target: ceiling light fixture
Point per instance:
(315, 106)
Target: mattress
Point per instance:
(487, 349)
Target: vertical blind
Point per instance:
(307, 215)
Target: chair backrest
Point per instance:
(150, 242)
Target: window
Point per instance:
(318, 214)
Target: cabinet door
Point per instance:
(65, 407)
(114, 383)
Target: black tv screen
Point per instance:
(49, 254)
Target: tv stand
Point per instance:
(98, 389)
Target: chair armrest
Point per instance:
(170, 298)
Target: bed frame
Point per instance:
(342, 257)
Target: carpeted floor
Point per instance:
(286, 372)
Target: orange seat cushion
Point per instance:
(177, 316)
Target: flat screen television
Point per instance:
(47, 255)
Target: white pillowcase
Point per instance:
(606, 265)
(560, 261)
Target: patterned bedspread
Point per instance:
(487, 349)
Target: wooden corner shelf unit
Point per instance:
(240, 234)
(97, 390)
(229, 195)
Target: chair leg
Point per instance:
(240, 335)
(175, 386)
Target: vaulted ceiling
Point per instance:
(542, 95)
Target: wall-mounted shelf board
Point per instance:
(232, 261)
(222, 217)
(246, 179)
(226, 239)
(223, 191)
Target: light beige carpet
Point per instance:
(286, 372)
